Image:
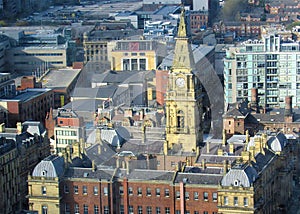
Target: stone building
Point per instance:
(21, 150)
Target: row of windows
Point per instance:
(134, 64)
(156, 210)
(85, 209)
(36, 63)
(167, 193)
(235, 201)
(139, 192)
(140, 210)
(84, 190)
(96, 46)
(134, 54)
(66, 133)
(66, 141)
(38, 54)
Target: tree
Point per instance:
(232, 8)
(3, 23)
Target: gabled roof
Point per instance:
(233, 113)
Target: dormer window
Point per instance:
(236, 183)
(44, 173)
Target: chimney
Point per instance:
(93, 166)
(203, 164)
(220, 152)
(288, 111)
(82, 146)
(225, 166)
(254, 99)
(231, 148)
(117, 162)
(207, 147)
(2, 127)
(98, 135)
(141, 114)
(246, 156)
(67, 155)
(198, 151)
(144, 127)
(264, 140)
(224, 138)
(99, 149)
(247, 136)
(166, 147)
(19, 127)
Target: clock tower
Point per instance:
(183, 98)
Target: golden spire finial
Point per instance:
(182, 24)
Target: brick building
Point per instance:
(30, 104)
(249, 116)
(65, 127)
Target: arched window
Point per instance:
(180, 119)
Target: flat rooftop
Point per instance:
(28, 94)
(60, 78)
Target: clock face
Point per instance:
(180, 82)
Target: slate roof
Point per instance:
(96, 93)
(240, 175)
(82, 173)
(194, 169)
(51, 167)
(115, 77)
(167, 9)
(34, 127)
(263, 160)
(278, 142)
(115, 137)
(158, 175)
(198, 178)
(106, 157)
(86, 105)
(138, 147)
(233, 113)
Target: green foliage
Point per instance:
(232, 8)
(3, 23)
(21, 23)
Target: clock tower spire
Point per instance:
(183, 97)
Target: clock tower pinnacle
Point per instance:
(183, 97)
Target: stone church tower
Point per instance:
(183, 97)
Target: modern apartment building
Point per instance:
(271, 65)
(4, 46)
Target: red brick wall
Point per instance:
(114, 199)
(162, 77)
(63, 121)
